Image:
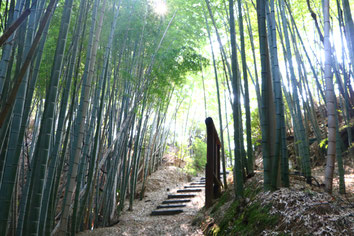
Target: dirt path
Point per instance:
(139, 222)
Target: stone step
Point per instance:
(189, 190)
(166, 212)
(180, 196)
(171, 206)
(195, 186)
(197, 183)
(176, 201)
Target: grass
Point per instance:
(252, 220)
(241, 218)
(225, 197)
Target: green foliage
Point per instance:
(256, 129)
(324, 143)
(199, 154)
(241, 219)
(225, 197)
(253, 220)
(197, 161)
(171, 67)
(48, 55)
(229, 217)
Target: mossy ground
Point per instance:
(225, 197)
(239, 217)
(251, 220)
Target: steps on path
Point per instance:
(197, 183)
(180, 196)
(176, 201)
(195, 186)
(166, 212)
(190, 190)
(171, 206)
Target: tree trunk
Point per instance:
(330, 102)
(238, 176)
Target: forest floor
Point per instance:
(302, 209)
(166, 180)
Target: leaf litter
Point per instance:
(166, 180)
(308, 210)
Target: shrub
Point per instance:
(199, 149)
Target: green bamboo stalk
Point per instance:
(246, 97)
(135, 156)
(349, 26)
(19, 77)
(278, 158)
(219, 104)
(330, 102)
(238, 178)
(339, 158)
(83, 108)
(304, 147)
(11, 165)
(6, 50)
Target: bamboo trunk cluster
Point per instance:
(78, 163)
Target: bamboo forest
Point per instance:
(110, 108)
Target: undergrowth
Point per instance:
(225, 197)
(241, 216)
(251, 220)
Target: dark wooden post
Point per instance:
(212, 170)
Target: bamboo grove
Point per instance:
(295, 72)
(84, 96)
(294, 82)
(87, 88)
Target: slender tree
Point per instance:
(268, 111)
(246, 97)
(219, 104)
(238, 176)
(330, 102)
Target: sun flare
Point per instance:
(159, 7)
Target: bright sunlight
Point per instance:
(159, 7)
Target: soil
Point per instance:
(164, 181)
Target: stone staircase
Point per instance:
(176, 202)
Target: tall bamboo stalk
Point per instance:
(330, 102)
(238, 176)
